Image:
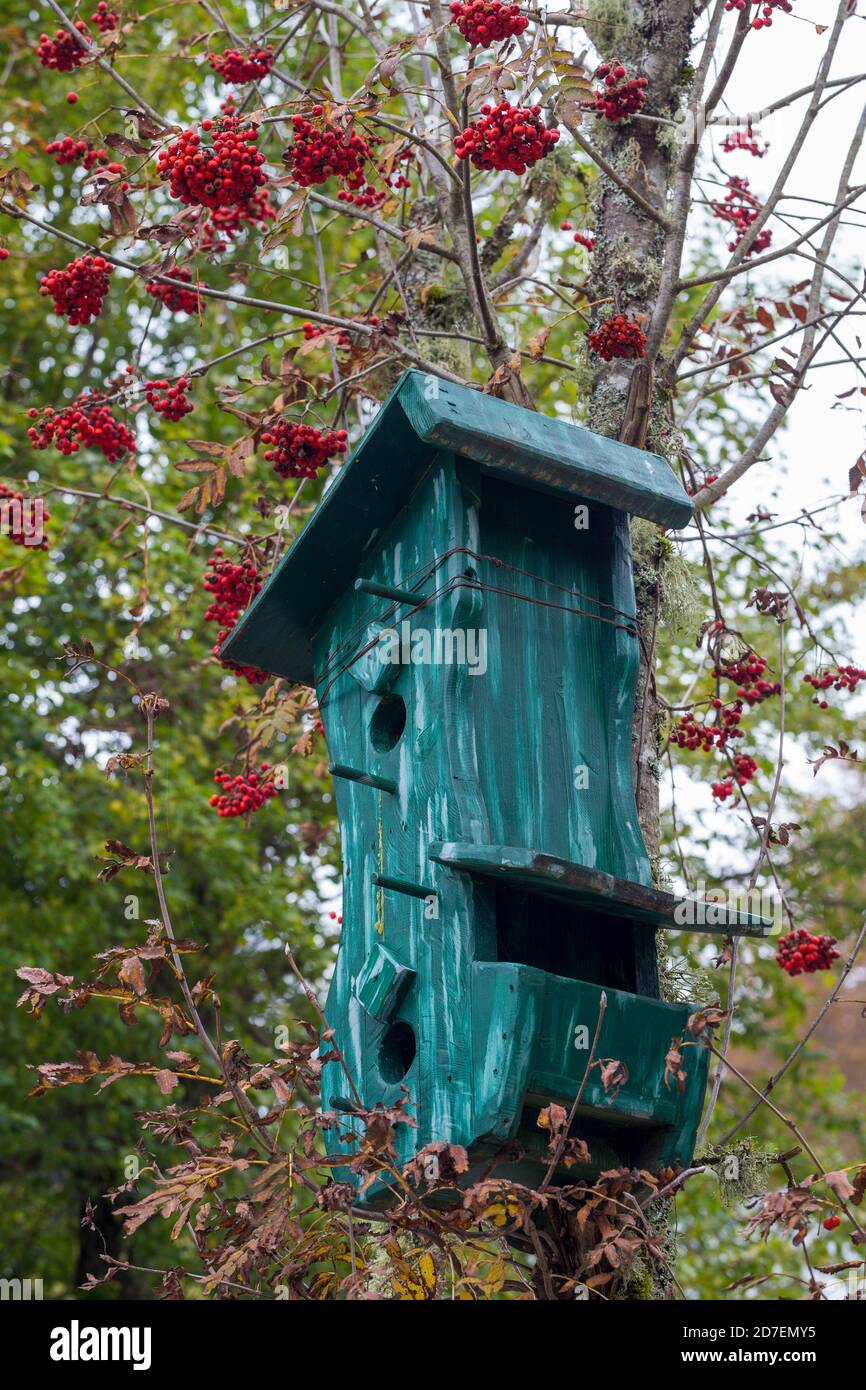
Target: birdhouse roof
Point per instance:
(423, 416)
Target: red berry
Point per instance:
(226, 173)
(87, 423)
(619, 96)
(741, 208)
(180, 301)
(240, 795)
(79, 289)
(299, 451)
(831, 1222)
(485, 22)
(72, 98)
(618, 337)
(168, 400)
(506, 137)
(239, 67)
(63, 53)
(746, 141)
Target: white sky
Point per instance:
(809, 460)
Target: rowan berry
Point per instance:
(619, 95)
(741, 208)
(506, 137)
(88, 423)
(63, 52)
(229, 222)
(178, 300)
(169, 401)
(243, 794)
(842, 678)
(802, 953)
(79, 289)
(765, 19)
(745, 141)
(238, 66)
(485, 22)
(317, 155)
(105, 19)
(299, 451)
(618, 337)
(226, 173)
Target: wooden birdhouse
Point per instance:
(462, 601)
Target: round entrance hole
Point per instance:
(388, 722)
(396, 1052)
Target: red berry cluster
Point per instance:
(765, 19)
(233, 587)
(619, 96)
(312, 331)
(299, 451)
(66, 150)
(843, 678)
(169, 401)
(483, 22)
(79, 289)
(692, 488)
(691, 733)
(801, 953)
(104, 18)
(242, 794)
(239, 67)
(618, 337)
(317, 155)
(20, 537)
(745, 140)
(86, 424)
(230, 221)
(744, 770)
(224, 174)
(748, 673)
(179, 301)
(740, 208)
(582, 238)
(506, 137)
(63, 53)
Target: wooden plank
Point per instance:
(603, 892)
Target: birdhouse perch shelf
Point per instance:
(462, 600)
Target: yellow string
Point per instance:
(379, 924)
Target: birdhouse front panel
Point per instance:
(462, 600)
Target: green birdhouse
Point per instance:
(462, 601)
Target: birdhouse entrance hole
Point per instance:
(564, 939)
(396, 1052)
(388, 722)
